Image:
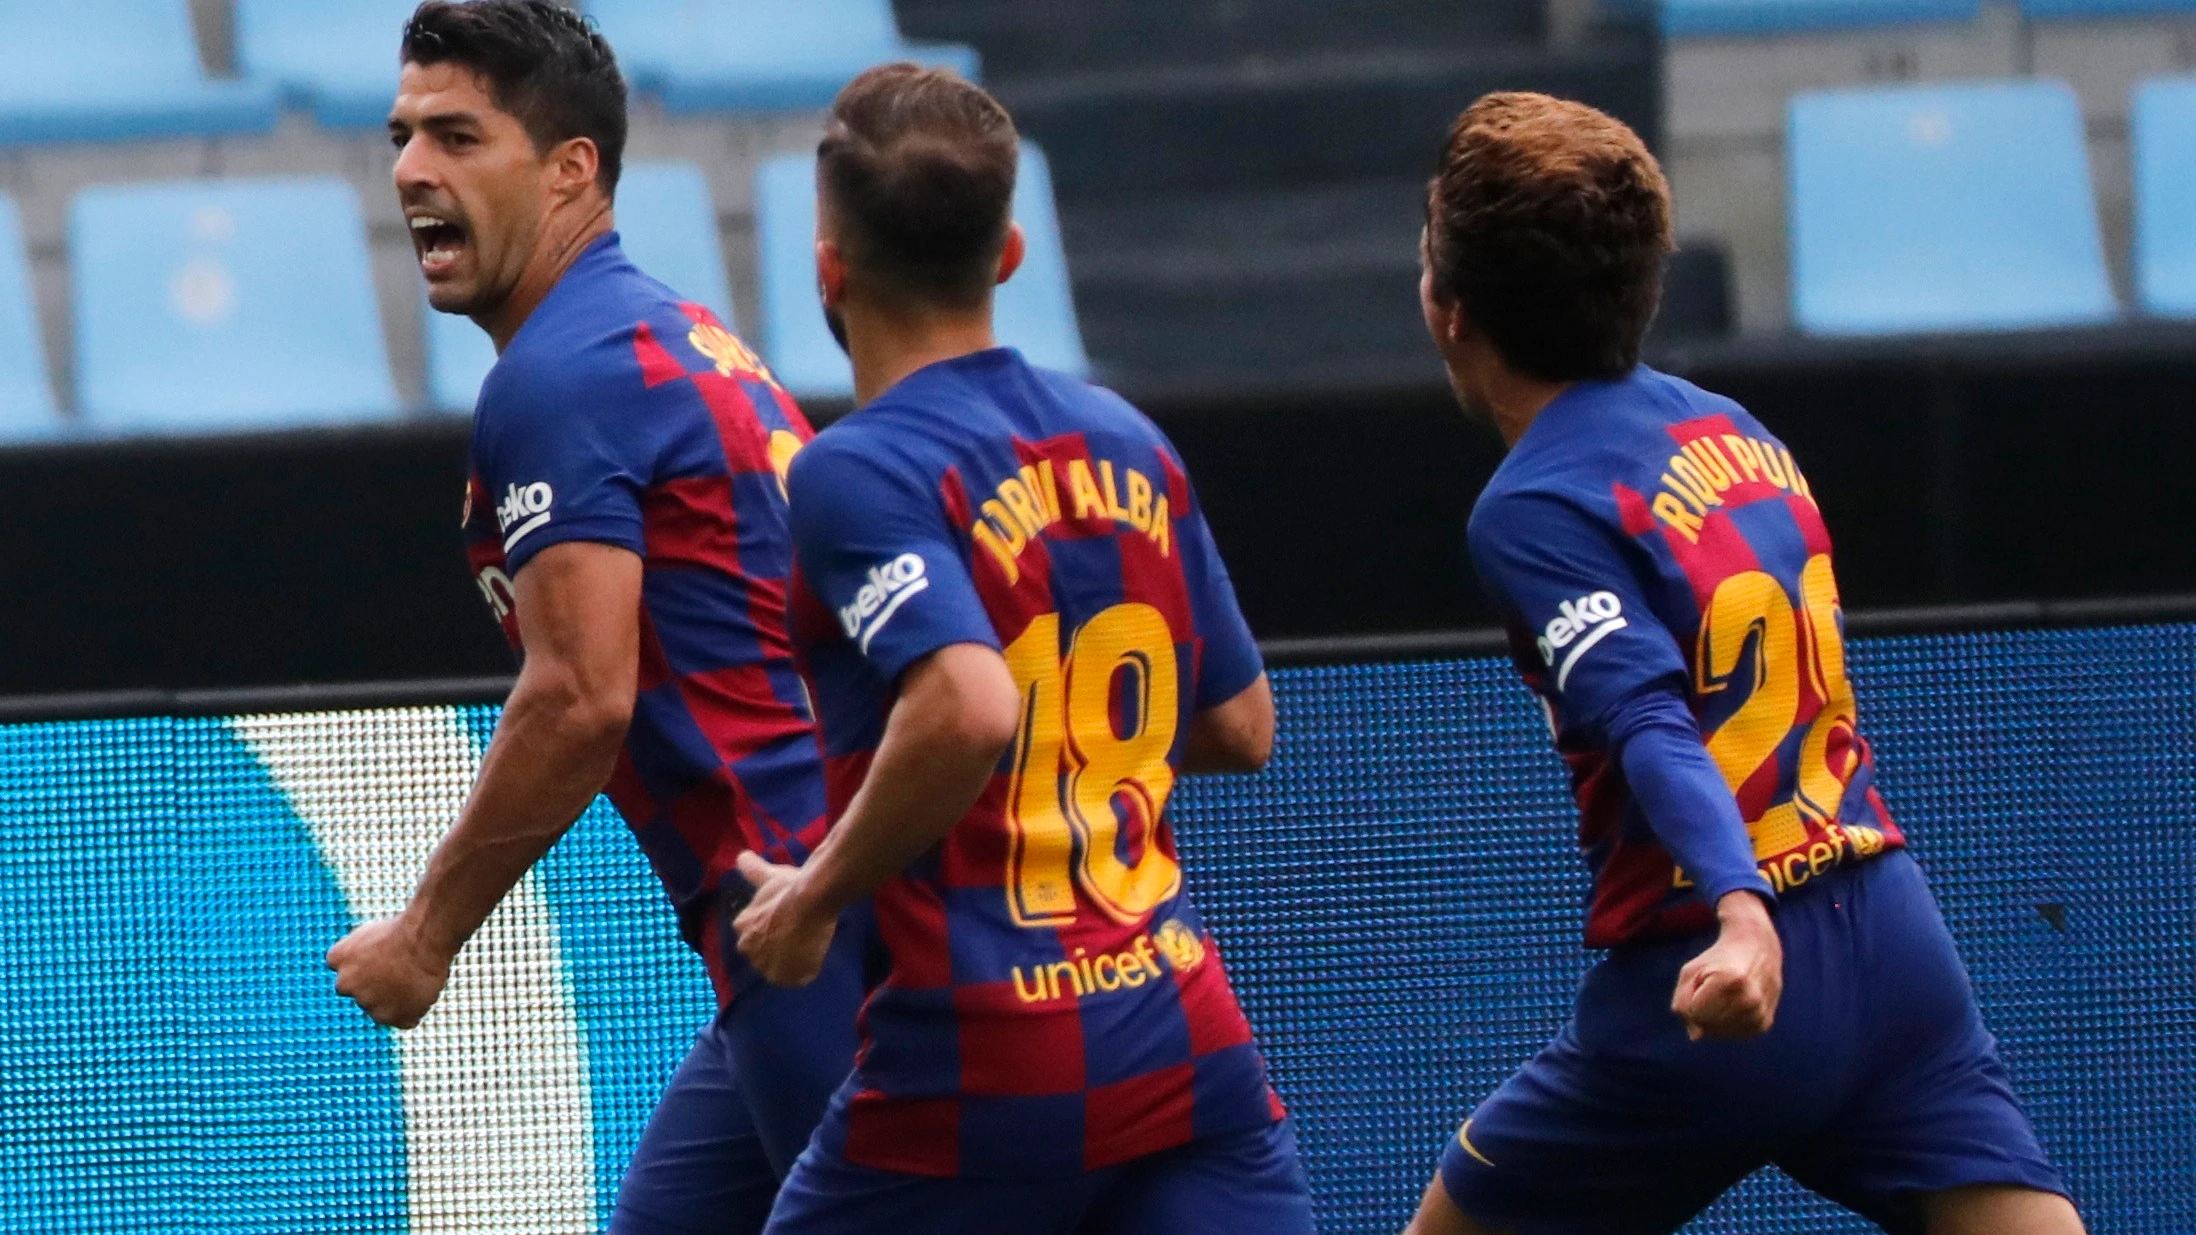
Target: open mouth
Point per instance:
(439, 242)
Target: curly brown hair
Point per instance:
(919, 166)
(1548, 223)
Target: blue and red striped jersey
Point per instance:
(620, 414)
(1053, 1002)
(1644, 533)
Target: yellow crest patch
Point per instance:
(725, 350)
(1183, 949)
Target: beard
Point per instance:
(837, 324)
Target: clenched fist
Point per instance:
(1732, 989)
(779, 935)
(393, 974)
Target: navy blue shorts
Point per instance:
(1246, 1182)
(741, 1108)
(1877, 1084)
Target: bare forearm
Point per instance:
(922, 782)
(550, 756)
(957, 712)
(1236, 736)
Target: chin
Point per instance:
(449, 298)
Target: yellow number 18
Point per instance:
(1084, 768)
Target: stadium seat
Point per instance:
(668, 225)
(758, 55)
(2163, 138)
(2076, 9)
(337, 56)
(115, 70)
(225, 304)
(1681, 18)
(26, 401)
(1943, 208)
(1036, 310)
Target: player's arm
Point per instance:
(1235, 736)
(955, 707)
(555, 746)
(956, 713)
(1231, 729)
(1615, 668)
(1732, 990)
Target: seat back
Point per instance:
(226, 304)
(26, 400)
(2163, 135)
(655, 37)
(325, 49)
(116, 46)
(667, 224)
(1942, 208)
(2090, 9)
(1035, 310)
(1683, 18)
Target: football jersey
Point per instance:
(1053, 1003)
(1645, 532)
(622, 415)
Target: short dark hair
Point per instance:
(1548, 223)
(544, 63)
(919, 167)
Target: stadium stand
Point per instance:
(1241, 181)
(1943, 208)
(758, 55)
(337, 57)
(225, 305)
(1681, 18)
(1036, 312)
(668, 225)
(26, 401)
(2164, 139)
(115, 70)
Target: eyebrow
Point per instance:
(440, 120)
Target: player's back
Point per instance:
(621, 414)
(1704, 557)
(1054, 1003)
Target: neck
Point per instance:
(1513, 401)
(886, 344)
(560, 245)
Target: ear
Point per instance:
(573, 166)
(1015, 250)
(830, 273)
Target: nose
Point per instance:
(415, 170)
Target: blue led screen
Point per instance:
(1397, 895)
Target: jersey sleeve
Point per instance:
(1679, 789)
(559, 465)
(1229, 660)
(1562, 574)
(875, 547)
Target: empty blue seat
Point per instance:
(2163, 137)
(337, 56)
(1698, 17)
(111, 70)
(1035, 309)
(668, 225)
(1943, 208)
(26, 401)
(758, 55)
(2049, 9)
(225, 304)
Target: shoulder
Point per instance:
(859, 461)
